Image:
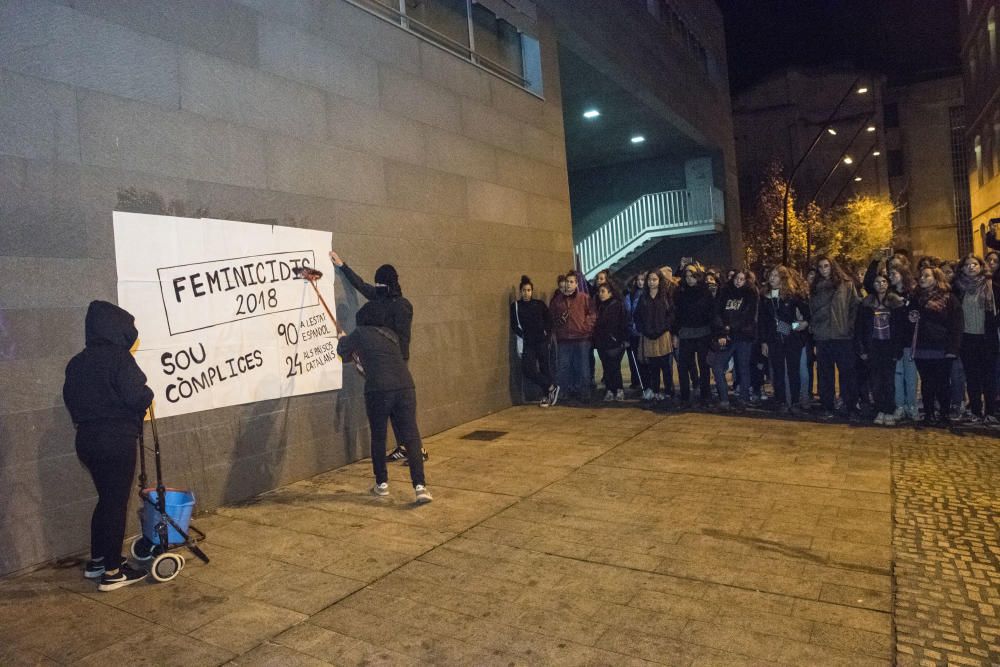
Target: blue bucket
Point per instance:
(179, 505)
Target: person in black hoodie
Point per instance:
(610, 339)
(389, 394)
(530, 321)
(937, 341)
(692, 331)
(107, 398)
(734, 331)
(880, 336)
(782, 322)
(386, 296)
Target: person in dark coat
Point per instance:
(979, 296)
(654, 317)
(611, 339)
(389, 394)
(386, 297)
(782, 322)
(880, 336)
(107, 398)
(692, 332)
(734, 331)
(938, 323)
(530, 321)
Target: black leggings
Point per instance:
(535, 364)
(694, 350)
(611, 362)
(979, 361)
(934, 377)
(109, 456)
(400, 407)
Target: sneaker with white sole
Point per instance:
(126, 575)
(397, 454)
(899, 413)
(609, 395)
(880, 418)
(423, 495)
(381, 490)
(647, 394)
(94, 568)
(620, 395)
(553, 394)
(889, 420)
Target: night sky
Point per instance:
(905, 39)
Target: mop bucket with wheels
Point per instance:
(165, 516)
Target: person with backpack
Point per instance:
(530, 322)
(106, 394)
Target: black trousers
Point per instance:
(839, 353)
(400, 407)
(657, 367)
(694, 350)
(934, 386)
(785, 354)
(882, 376)
(535, 364)
(979, 361)
(109, 455)
(611, 362)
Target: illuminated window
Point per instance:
(978, 150)
(991, 29)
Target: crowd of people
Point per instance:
(865, 341)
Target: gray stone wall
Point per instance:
(305, 113)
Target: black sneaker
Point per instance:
(125, 576)
(94, 569)
(423, 451)
(398, 454)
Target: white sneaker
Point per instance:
(647, 394)
(609, 395)
(880, 418)
(660, 397)
(899, 413)
(889, 421)
(423, 495)
(381, 489)
(620, 395)
(912, 412)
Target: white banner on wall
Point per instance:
(221, 318)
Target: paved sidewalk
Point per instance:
(604, 536)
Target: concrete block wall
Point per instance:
(307, 113)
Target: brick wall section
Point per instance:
(310, 114)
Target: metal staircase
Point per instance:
(645, 221)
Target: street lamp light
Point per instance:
(862, 90)
(848, 160)
(831, 131)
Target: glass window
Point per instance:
(978, 150)
(443, 17)
(497, 40)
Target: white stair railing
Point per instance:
(671, 213)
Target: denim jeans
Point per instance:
(956, 383)
(741, 351)
(574, 365)
(906, 381)
(839, 353)
(400, 407)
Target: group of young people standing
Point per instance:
(862, 340)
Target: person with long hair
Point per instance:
(901, 283)
(631, 300)
(833, 307)
(880, 333)
(530, 321)
(655, 317)
(783, 319)
(734, 331)
(610, 339)
(692, 331)
(938, 323)
(573, 317)
(978, 295)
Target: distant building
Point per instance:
(978, 28)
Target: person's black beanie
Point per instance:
(386, 275)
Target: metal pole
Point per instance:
(795, 169)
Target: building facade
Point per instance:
(429, 134)
(981, 74)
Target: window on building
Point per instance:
(496, 39)
(890, 114)
(894, 163)
(444, 17)
(978, 151)
(991, 29)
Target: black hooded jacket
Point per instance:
(736, 312)
(393, 308)
(104, 383)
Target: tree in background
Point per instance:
(861, 227)
(763, 229)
